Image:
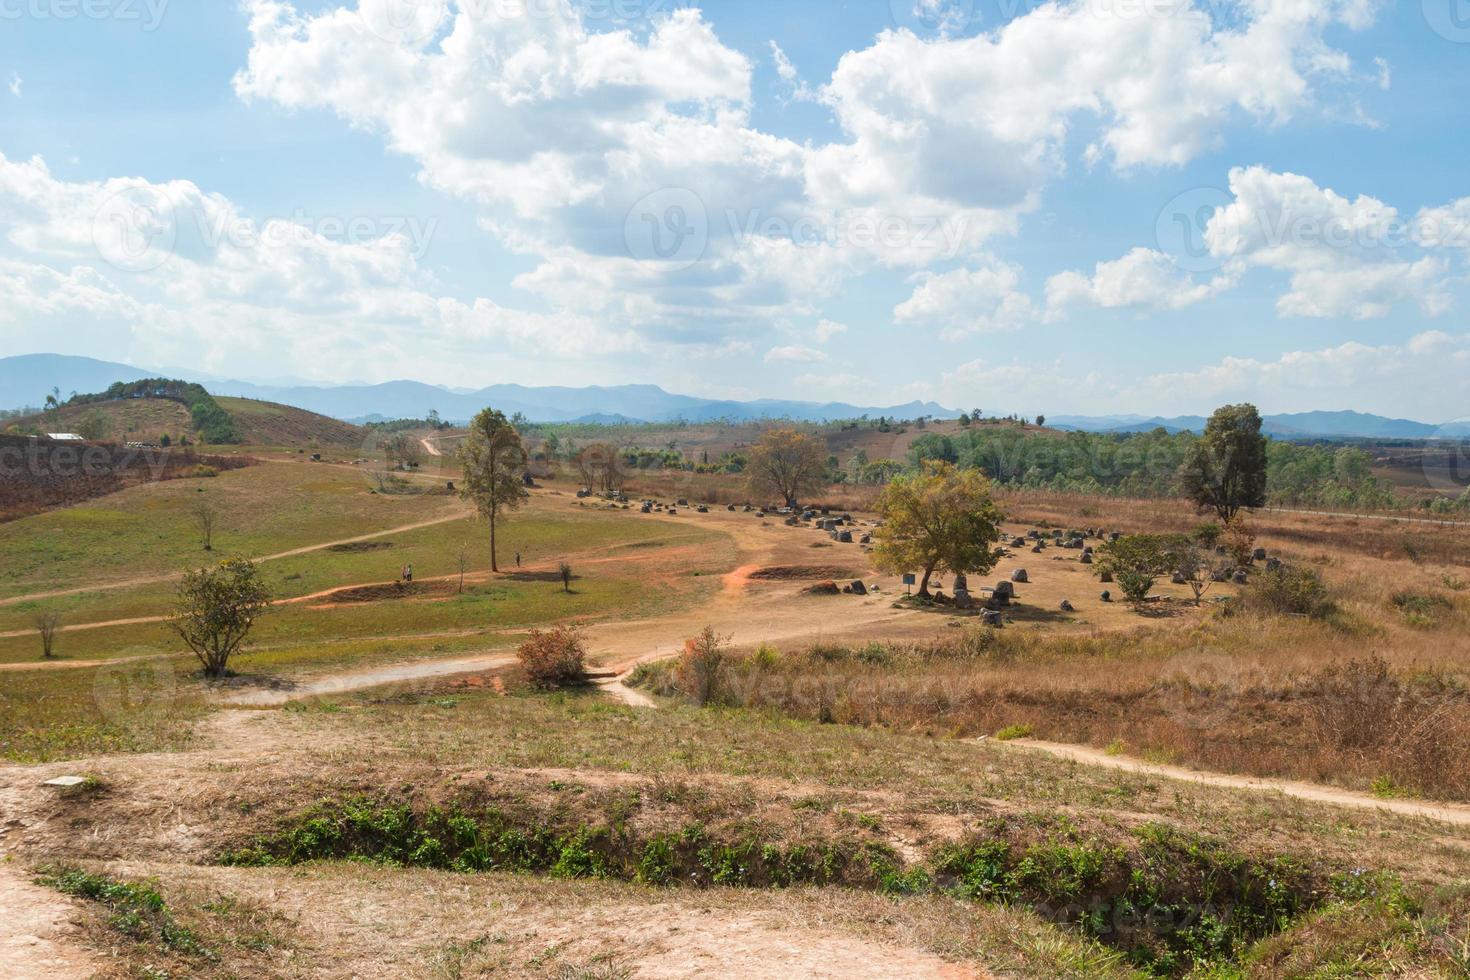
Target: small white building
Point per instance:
(64, 437)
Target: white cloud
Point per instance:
(588, 151)
(794, 354)
(1415, 376)
(968, 301)
(15, 83)
(1419, 378)
(982, 121)
(1143, 279)
(1345, 258)
(185, 277)
(827, 329)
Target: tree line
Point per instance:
(1149, 464)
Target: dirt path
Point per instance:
(745, 612)
(305, 550)
(328, 685)
(1392, 518)
(1315, 792)
(430, 447)
(39, 937)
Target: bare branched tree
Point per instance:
(47, 625)
(206, 516)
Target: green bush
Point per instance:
(1289, 592)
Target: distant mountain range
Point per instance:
(1299, 425)
(27, 379)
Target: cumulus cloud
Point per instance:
(1355, 258)
(1143, 279)
(627, 164)
(187, 277)
(1416, 374)
(1345, 258)
(827, 329)
(794, 354)
(982, 121)
(1417, 378)
(963, 302)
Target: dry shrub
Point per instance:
(1240, 540)
(699, 666)
(555, 658)
(1412, 732)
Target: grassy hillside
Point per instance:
(134, 420)
(269, 424)
(149, 419)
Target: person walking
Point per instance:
(518, 559)
(408, 573)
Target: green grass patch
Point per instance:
(137, 910)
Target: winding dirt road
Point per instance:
(1315, 792)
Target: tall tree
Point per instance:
(938, 519)
(786, 463)
(1225, 470)
(600, 466)
(215, 610)
(494, 464)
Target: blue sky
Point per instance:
(465, 192)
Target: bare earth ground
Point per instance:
(38, 935)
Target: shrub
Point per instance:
(1289, 591)
(699, 667)
(1137, 560)
(1208, 534)
(555, 658)
(1420, 608)
(1240, 540)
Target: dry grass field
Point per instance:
(869, 789)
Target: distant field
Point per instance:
(609, 555)
(149, 529)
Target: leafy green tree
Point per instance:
(1226, 469)
(940, 518)
(494, 463)
(1137, 560)
(215, 609)
(786, 463)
